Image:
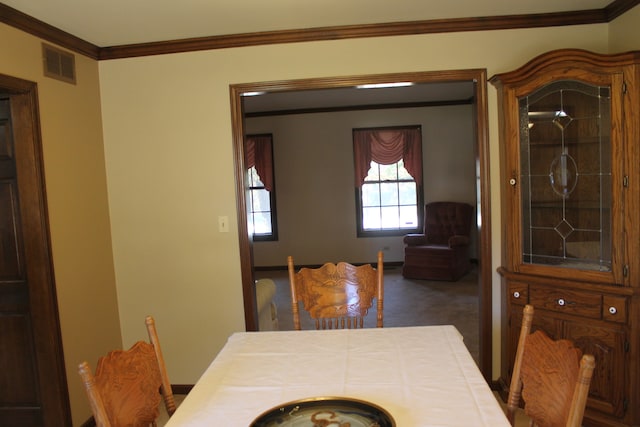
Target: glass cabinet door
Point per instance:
(566, 187)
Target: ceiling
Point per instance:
(122, 22)
(354, 98)
(115, 23)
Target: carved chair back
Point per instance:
(551, 377)
(125, 389)
(337, 296)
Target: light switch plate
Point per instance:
(223, 224)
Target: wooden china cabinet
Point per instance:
(570, 171)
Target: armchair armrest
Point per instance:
(415, 239)
(267, 310)
(458, 241)
(265, 291)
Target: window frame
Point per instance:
(360, 231)
(273, 236)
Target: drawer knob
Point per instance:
(516, 294)
(561, 302)
(613, 310)
(512, 182)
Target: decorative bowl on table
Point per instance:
(325, 412)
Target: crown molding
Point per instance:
(618, 7)
(356, 31)
(68, 41)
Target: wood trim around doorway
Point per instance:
(479, 78)
(41, 340)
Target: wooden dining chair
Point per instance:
(128, 384)
(337, 296)
(550, 376)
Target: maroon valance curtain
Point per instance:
(259, 153)
(387, 146)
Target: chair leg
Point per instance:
(515, 388)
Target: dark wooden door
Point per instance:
(33, 388)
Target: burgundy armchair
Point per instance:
(442, 252)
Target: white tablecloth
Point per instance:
(424, 376)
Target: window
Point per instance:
(261, 198)
(388, 165)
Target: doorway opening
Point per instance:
(481, 151)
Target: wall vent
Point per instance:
(58, 64)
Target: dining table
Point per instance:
(419, 375)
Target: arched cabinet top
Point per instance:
(563, 58)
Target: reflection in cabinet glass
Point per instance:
(566, 175)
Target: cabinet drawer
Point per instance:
(518, 293)
(566, 301)
(614, 308)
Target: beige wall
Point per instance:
(168, 145)
(78, 210)
(624, 32)
(313, 157)
(169, 170)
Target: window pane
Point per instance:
(371, 218)
(408, 216)
(374, 172)
(261, 200)
(402, 172)
(262, 222)
(370, 195)
(390, 218)
(388, 172)
(254, 178)
(250, 202)
(389, 194)
(407, 193)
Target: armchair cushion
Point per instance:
(458, 241)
